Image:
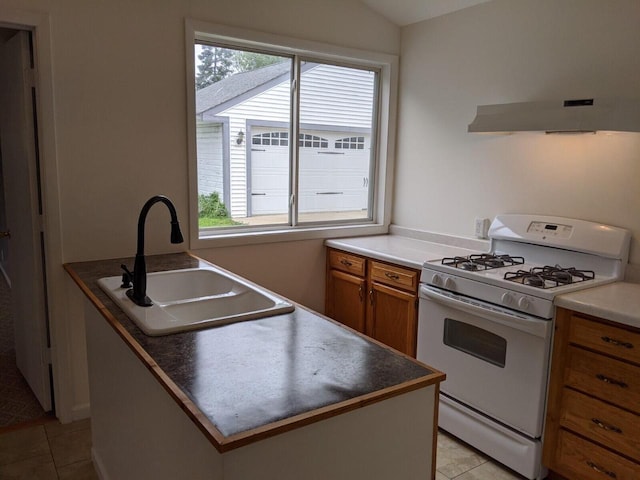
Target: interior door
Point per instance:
(23, 212)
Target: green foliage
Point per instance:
(247, 61)
(211, 206)
(215, 64)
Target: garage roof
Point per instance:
(236, 85)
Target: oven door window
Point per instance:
(475, 341)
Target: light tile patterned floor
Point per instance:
(456, 460)
(49, 451)
(52, 451)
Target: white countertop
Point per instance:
(618, 302)
(398, 249)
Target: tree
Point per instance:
(247, 61)
(215, 64)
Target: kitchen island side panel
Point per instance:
(140, 432)
(392, 439)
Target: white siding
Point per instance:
(332, 96)
(238, 168)
(210, 147)
(336, 96)
(271, 105)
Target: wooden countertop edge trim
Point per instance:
(307, 418)
(219, 441)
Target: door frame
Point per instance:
(39, 23)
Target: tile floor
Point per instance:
(47, 451)
(456, 460)
(51, 451)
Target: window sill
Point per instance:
(273, 236)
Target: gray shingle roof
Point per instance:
(235, 85)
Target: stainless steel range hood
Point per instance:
(563, 116)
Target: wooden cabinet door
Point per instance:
(392, 317)
(345, 299)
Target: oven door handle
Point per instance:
(526, 323)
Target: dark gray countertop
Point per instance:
(249, 375)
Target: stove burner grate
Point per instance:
(482, 261)
(549, 276)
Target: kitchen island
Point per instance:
(289, 396)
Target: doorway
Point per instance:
(25, 367)
(18, 404)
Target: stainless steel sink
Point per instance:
(195, 298)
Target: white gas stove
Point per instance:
(486, 321)
(532, 259)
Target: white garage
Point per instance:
(333, 171)
(334, 143)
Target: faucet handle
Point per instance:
(127, 276)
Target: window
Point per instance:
(249, 99)
(271, 138)
(312, 141)
(355, 143)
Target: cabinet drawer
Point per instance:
(604, 338)
(394, 276)
(600, 422)
(580, 459)
(347, 262)
(603, 377)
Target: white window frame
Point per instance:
(388, 81)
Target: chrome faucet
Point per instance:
(138, 294)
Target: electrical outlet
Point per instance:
(482, 227)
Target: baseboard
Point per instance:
(80, 412)
(98, 465)
(5, 275)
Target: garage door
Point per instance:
(333, 176)
(269, 172)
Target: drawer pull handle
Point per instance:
(346, 262)
(617, 343)
(600, 469)
(609, 428)
(611, 381)
(392, 276)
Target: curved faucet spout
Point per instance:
(138, 294)
(176, 234)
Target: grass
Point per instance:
(216, 222)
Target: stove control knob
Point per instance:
(524, 303)
(449, 284)
(436, 280)
(507, 299)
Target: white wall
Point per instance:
(119, 99)
(513, 51)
